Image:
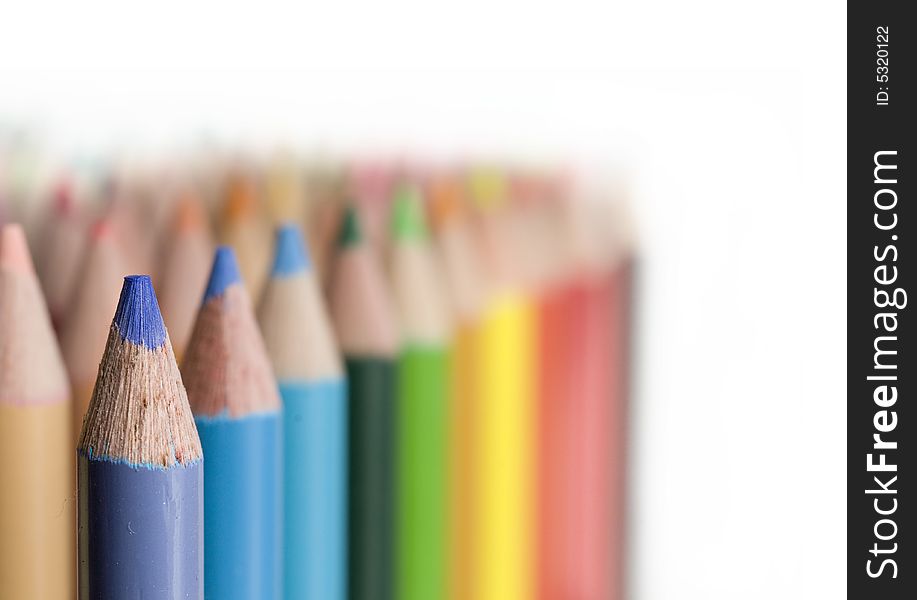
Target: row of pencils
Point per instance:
(400, 383)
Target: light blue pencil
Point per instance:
(301, 346)
(234, 397)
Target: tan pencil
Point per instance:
(36, 454)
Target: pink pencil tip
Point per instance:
(63, 198)
(100, 229)
(14, 251)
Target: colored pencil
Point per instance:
(460, 259)
(242, 228)
(36, 461)
(140, 466)
(233, 395)
(302, 348)
(63, 241)
(284, 189)
(581, 466)
(561, 311)
(362, 314)
(134, 234)
(504, 536)
(85, 333)
(423, 389)
(371, 184)
(185, 261)
(323, 212)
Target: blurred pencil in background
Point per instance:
(504, 532)
(284, 189)
(62, 242)
(323, 213)
(463, 281)
(364, 320)
(141, 500)
(371, 185)
(185, 261)
(36, 461)
(242, 227)
(236, 406)
(302, 348)
(422, 394)
(94, 301)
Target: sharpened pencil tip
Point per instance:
(189, 214)
(290, 254)
(407, 215)
(63, 198)
(225, 272)
(137, 317)
(350, 234)
(102, 228)
(14, 251)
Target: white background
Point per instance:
(732, 120)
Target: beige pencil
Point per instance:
(36, 453)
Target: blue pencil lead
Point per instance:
(290, 255)
(137, 317)
(225, 272)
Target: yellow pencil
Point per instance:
(506, 352)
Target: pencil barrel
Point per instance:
(242, 518)
(504, 541)
(463, 449)
(37, 511)
(371, 433)
(421, 473)
(315, 489)
(140, 531)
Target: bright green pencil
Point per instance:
(421, 400)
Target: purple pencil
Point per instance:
(140, 466)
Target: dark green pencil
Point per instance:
(364, 321)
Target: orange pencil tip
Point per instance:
(241, 201)
(446, 201)
(189, 214)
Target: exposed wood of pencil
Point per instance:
(242, 227)
(139, 411)
(84, 335)
(226, 368)
(292, 309)
(63, 241)
(186, 258)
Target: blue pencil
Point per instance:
(140, 466)
(234, 397)
(299, 340)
